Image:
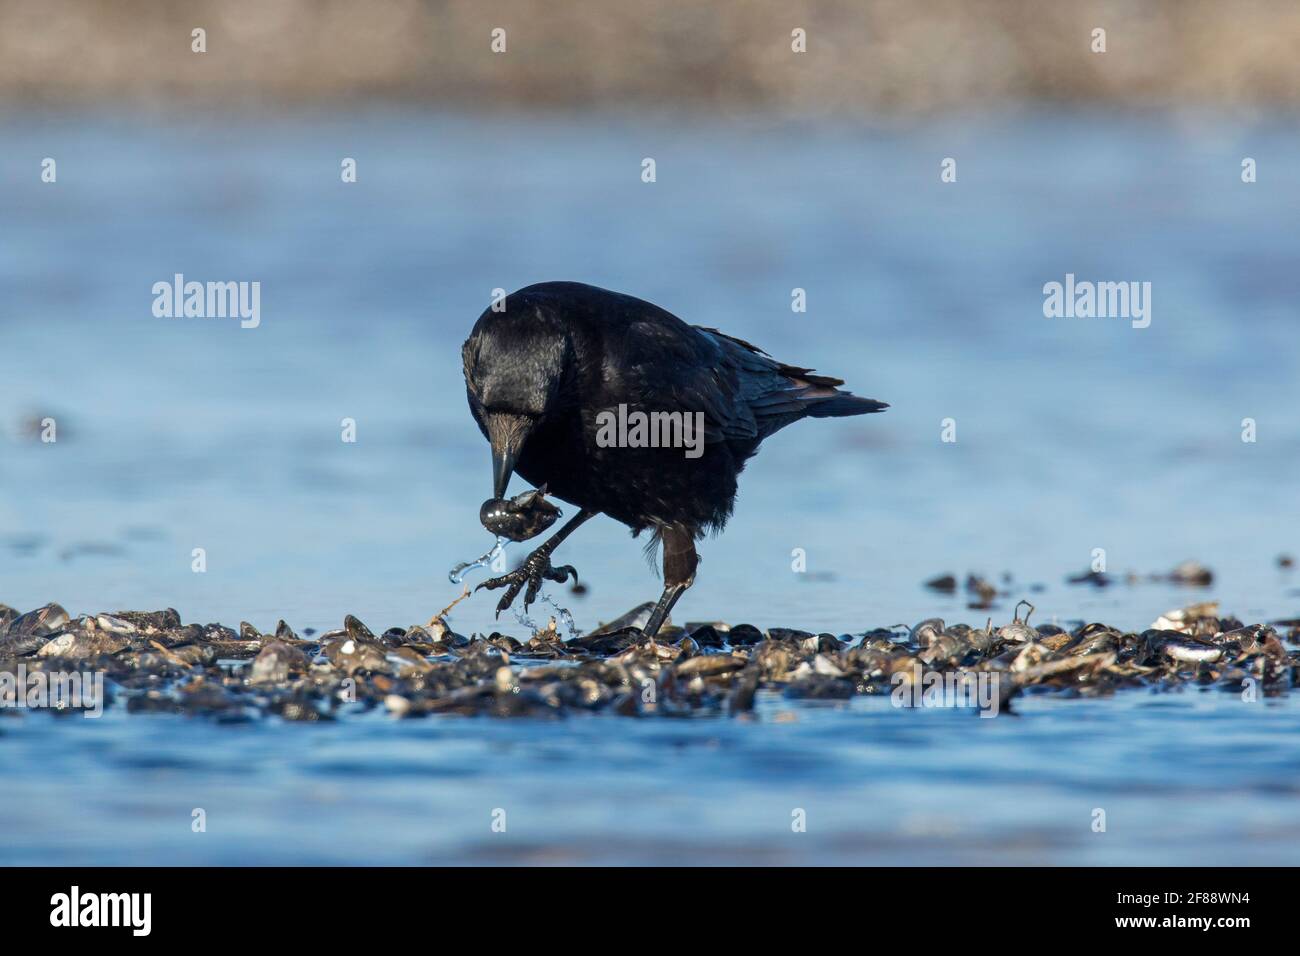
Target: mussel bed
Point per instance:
(153, 663)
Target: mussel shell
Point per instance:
(519, 518)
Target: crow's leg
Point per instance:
(536, 568)
(680, 561)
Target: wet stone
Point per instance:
(982, 593)
(350, 655)
(1192, 574)
(943, 583)
(151, 621)
(1098, 579)
(77, 645)
(21, 645)
(744, 635)
(193, 655)
(275, 662)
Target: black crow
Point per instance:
(563, 381)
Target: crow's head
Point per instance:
(517, 367)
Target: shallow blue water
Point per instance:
(1072, 435)
(1190, 778)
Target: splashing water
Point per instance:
(457, 574)
(563, 613)
(562, 616)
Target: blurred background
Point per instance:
(776, 170)
(864, 56)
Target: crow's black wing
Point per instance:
(661, 364)
(744, 393)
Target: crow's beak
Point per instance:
(507, 434)
(503, 466)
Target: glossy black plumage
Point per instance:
(539, 373)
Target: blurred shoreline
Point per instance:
(862, 56)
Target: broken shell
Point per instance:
(76, 645)
(1186, 649)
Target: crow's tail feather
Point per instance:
(844, 403)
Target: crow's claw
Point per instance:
(535, 569)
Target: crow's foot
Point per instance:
(535, 569)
